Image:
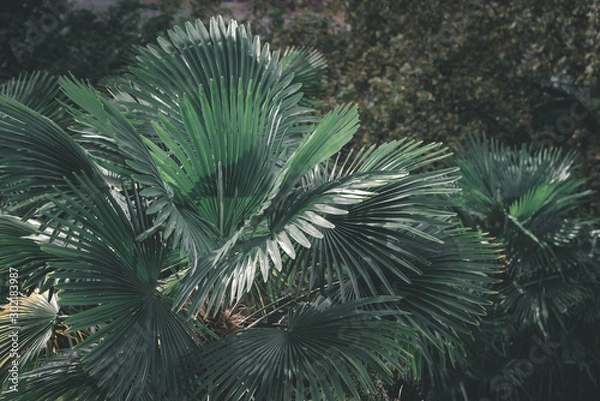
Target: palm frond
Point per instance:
(333, 132)
(38, 91)
(35, 155)
(367, 238)
(449, 296)
(20, 250)
(220, 104)
(494, 177)
(61, 378)
(227, 54)
(104, 269)
(321, 351)
(27, 322)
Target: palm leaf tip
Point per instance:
(308, 66)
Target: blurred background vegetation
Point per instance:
(523, 72)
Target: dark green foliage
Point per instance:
(204, 181)
(521, 71)
(537, 340)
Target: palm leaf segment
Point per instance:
(218, 116)
(202, 171)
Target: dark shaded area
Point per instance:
(57, 38)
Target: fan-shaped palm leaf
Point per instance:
(36, 155)
(64, 378)
(105, 269)
(308, 66)
(38, 91)
(20, 250)
(328, 346)
(219, 104)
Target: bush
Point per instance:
(538, 340)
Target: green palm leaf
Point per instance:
(234, 110)
(36, 154)
(63, 378)
(446, 298)
(333, 132)
(20, 250)
(528, 199)
(494, 176)
(308, 66)
(321, 352)
(104, 269)
(364, 237)
(38, 91)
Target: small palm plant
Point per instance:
(530, 200)
(199, 237)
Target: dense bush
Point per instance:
(539, 340)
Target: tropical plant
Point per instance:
(530, 200)
(202, 240)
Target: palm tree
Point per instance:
(202, 238)
(530, 200)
